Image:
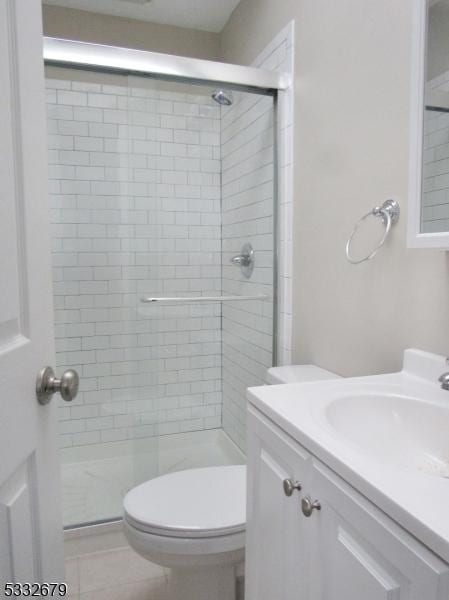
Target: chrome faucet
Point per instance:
(444, 380)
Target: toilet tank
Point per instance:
(298, 374)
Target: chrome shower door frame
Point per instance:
(168, 67)
(69, 53)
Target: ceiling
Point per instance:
(206, 15)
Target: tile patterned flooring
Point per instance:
(121, 574)
(118, 574)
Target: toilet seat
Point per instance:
(170, 551)
(196, 503)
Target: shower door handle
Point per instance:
(48, 384)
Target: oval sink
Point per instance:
(395, 429)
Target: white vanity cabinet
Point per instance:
(346, 550)
(357, 552)
(275, 527)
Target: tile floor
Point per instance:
(121, 574)
(118, 574)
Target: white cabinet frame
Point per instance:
(415, 238)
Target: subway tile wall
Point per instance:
(247, 136)
(279, 55)
(249, 164)
(435, 192)
(135, 196)
(136, 177)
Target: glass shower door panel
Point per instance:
(180, 253)
(212, 169)
(155, 188)
(248, 217)
(95, 213)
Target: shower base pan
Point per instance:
(95, 478)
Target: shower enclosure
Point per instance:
(163, 192)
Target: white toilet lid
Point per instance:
(203, 502)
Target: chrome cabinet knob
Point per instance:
(47, 384)
(290, 486)
(308, 506)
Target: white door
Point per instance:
(275, 565)
(30, 520)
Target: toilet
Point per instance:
(193, 521)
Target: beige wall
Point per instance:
(106, 29)
(351, 152)
(438, 40)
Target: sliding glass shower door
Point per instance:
(163, 251)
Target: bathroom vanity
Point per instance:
(348, 495)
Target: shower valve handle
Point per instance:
(241, 259)
(245, 260)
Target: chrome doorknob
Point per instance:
(47, 384)
(308, 506)
(290, 486)
(444, 380)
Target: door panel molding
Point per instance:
(369, 563)
(17, 525)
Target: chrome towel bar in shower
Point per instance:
(195, 299)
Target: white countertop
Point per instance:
(414, 498)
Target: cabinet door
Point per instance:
(358, 553)
(274, 569)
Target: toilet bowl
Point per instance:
(193, 521)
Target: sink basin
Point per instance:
(386, 435)
(394, 428)
(389, 427)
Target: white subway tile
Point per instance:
(86, 86)
(60, 142)
(105, 130)
(57, 84)
(90, 144)
(72, 98)
(55, 111)
(168, 149)
(101, 100)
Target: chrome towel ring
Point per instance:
(389, 213)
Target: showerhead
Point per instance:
(223, 97)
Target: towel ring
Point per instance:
(389, 213)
